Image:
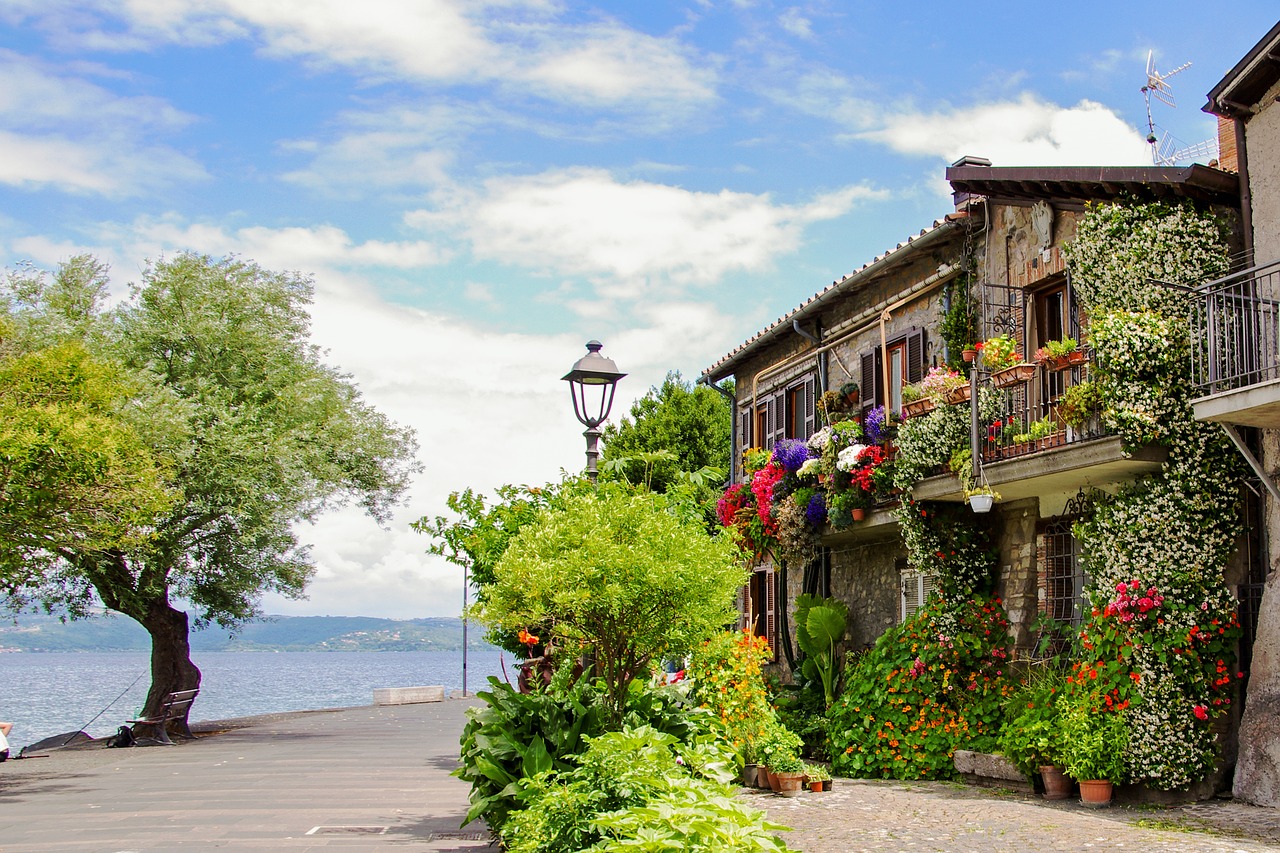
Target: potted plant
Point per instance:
(1094, 744)
(1001, 356)
(1060, 354)
(981, 498)
(1032, 737)
(789, 769)
(940, 382)
(819, 777)
(1079, 407)
(914, 401)
(849, 391)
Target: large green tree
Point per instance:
(629, 576)
(255, 434)
(677, 427)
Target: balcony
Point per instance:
(1043, 441)
(1236, 348)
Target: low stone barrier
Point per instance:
(990, 771)
(407, 695)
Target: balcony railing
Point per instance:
(1235, 327)
(1031, 415)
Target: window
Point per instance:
(786, 412)
(759, 610)
(916, 589)
(1061, 573)
(905, 353)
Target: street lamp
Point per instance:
(599, 374)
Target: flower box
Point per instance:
(958, 395)
(1057, 363)
(917, 407)
(1013, 375)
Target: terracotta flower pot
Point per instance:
(969, 355)
(859, 514)
(790, 784)
(1095, 793)
(1057, 785)
(750, 774)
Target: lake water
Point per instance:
(48, 693)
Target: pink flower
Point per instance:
(1120, 587)
(1201, 712)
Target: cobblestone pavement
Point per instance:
(861, 815)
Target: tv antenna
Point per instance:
(1164, 148)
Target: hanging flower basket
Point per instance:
(917, 407)
(959, 394)
(1013, 375)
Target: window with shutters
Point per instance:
(906, 360)
(789, 411)
(916, 589)
(759, 612)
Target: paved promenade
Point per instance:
(376, 778)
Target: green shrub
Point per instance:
(931, 685)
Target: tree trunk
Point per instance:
(171, 666)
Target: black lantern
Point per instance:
(592, 383)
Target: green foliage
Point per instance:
(618, 574)
(1000, 352)
(1032, 735)
(933, 684)
(678, 427)
(518, 735)
(725, 671)
(1123, 251)
(693, 818)
(820, 627)
(1079, 403)
(1094, 742)
(951, 543)
(958, 327)
(480, 533)
(1160, 643)
(251, 429)
(76, 476)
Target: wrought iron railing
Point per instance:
(1032, 415)
(1235, 330)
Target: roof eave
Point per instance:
(1250, 79)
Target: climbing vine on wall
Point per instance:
(1159, 646)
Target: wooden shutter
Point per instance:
(910, 595)
(915, 355)
(871, 392)
(810, 408)
(777, 419)
(770, 607)
(744, 442)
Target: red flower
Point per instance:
(1201, 712)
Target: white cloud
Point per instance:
(524, 44)
(57, 130)
(1025, 132)
(794, 22)
(630, 236)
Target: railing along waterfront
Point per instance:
(1235, 330)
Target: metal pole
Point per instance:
(466, 580)
(593, 452)
(975, 446)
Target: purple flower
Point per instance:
(874, 425)
(790, 453)
(816, 512)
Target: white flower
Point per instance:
(820, 439)
(848, 458)
(809, 469)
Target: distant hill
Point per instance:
(112, 632)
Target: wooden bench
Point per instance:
(176, 706)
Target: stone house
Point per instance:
(1239, 374)
(882, 327)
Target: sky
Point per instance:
(479, 188)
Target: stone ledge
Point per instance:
(990, 771)
(407, 695)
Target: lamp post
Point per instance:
(592, 383)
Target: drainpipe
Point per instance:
(822, 353)
(1246, 196)
(733, 421)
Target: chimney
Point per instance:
(1228, 161)
(960, 197)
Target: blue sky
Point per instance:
(479, 188)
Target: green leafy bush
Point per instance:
(1032, 734)
(517, 735)
(620, 777)
(1094, 741)
(931, 685)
